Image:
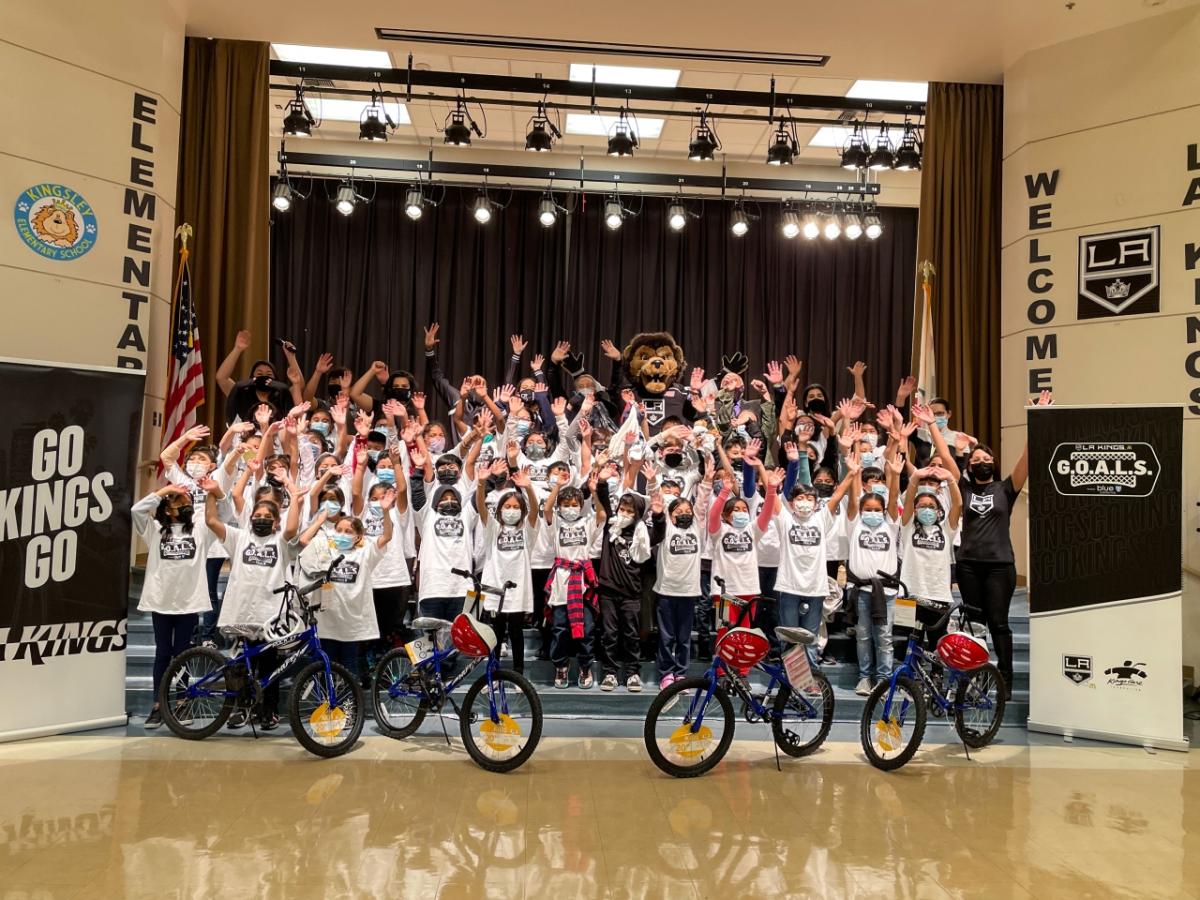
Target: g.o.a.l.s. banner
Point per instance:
(1105, 573)
(68, 445)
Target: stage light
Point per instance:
(883, 155)
(677, 216)
(704, 143)
(783, 149)
(809, 226)
(614, 213)
(790, 223)
(872, 227)
(908, 154)
(281, 197)
(854, 228)
(854, 152)
(346, 199)
(374, 122)
(623, 141)
(414, 203)
(299, 121)
(739, 222)
(547, 211)
(459, 125)
(542, 131)
(481, 209)
(830, 227)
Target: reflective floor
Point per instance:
(114, 816)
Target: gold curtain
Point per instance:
(959, 232)
(224, 180)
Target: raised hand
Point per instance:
(922, 414)
(484, 422)
(418, 401)
(648, 470)
(338, 411)
(262, 415)
(431, 335)
(505, 394)
(907, 385)
(324, 363)
(361, 456)
(482, 470)
(206, 484)
(535, 364)
(804, 431)
(1045, 398)
(380, 368)
(789, 412)
(857, 369)
(884, 418)
(793, 365)
(410, 432)
(585, 428)
(558, 406)
(939, 473)
(560, 351)
(197, 433)
(294, 376)
(697, 379)
(388, 500)
(823, 421)
(759, 386)
(362, 423)
(628, 396)
(242, 340)
(296, 411)
(853, 463)
(775, 478)
(896, 463)
(791, 451)
(753, 447)
(518, 343)
(774, 373)
(849, 437)
(609, 349)
(394, 409)
(656, 503)
(417, 458)
(521, 478)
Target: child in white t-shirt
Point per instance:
(928, 534)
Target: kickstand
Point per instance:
(253, 729)
(778, 767)
(967, 750)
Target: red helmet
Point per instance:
(743, 647)
(471, 637)
(962, 651)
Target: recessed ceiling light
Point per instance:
(835, 136)
(352, 110)
(333, 56)
(635, 75)
(915, 91)
(601, 126)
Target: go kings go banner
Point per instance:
(68, 449)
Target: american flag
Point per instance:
(185, 369)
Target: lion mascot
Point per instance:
(652, 363)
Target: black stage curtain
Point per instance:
(361, 287)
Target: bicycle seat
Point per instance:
(789, 635)
(429, 623)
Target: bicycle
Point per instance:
(800, 711)
(915, 688)
(409, 683)
(202, 687)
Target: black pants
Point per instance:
(206, 630)
(264, 664)
(172, 635)
(703, 616)
(391, 603)
(512, 626)
(622, 634)
(541, 621)
(767, 615)
(989, 586)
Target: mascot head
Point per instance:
(653, 361)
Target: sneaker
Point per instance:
(863, 689)
(542, 655)
(665, 681)
(238, 718)
(587, 681)
(561, 677)
(270, 721)
(609, 683)
(633, 684)
(505, 652)
(154, 720)
(183, 713)
(827, 661)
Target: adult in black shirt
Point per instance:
(986, 569)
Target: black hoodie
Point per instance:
(618, 573)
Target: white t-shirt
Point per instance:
(735, 558)
(506, 558)
(805, 541)
(872, 549)
(347, 610)
(572, 540)
(678, 563)
(175, 582)
(836, 544)
(928, 552)
(769, 544)
(392, 569)
(257, 567)
(447, 542)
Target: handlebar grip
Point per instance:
(510, 585)
(337, 562)
(719, 580)
(462, 573)
(279, 590)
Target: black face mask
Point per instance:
(737, 465)
(447, 476)
(184, 513)
(448, 509)
(526, 396)
(274, 481)
(818, 406)
(399, 393)
(824, 490)
(263, 382)
(983, 471)
(684, 520)
(673, 460)
(262, 527)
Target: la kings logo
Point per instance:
(37, 643)
(1077, 668)
(1118, 469)
(981, 504)
(1118, 273)
(683, 544)
(656, 409)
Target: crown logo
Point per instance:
(60, 204)
(1117, 290)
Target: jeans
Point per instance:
(207, 628)
(867, 633)
(622, 634)
(796, 611)
(344, 652)
(442, 607)
(674, 616)
(563, 645)
(172, 635)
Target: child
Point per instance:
(391, 584)
(679, 536)
(625, 546)
(571, 585)
(927, 535)
(175, 591)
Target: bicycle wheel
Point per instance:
(326, 723)
(891, 741)
(979, 706)
(505, 742)
(802, 720)
(397, 698)
(688, 731)
(192, 697)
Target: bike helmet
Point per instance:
(743, 647)
(471, 637)
(962, 651)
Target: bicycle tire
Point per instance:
(779, 730)
(918, 711)
(665, 698)
(973, 738)
(467, 722)
(169, 706)
(385, 719)
(348, 734)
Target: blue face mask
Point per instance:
(522, 426)
(613, 484)
(926, 489)
(321, 428)
(331, 507)
(879, 489)
(739, 519)
(376, 506)
(868, 460)
(927, 515)
(373, 455)
(387, 476)
(872, 519)
(343, 541)
(941, 422)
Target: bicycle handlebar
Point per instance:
(480, 586)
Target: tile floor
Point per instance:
(114, 816)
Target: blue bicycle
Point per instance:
(201, 687)
(689, 726)
(893, 721)
(501, 715)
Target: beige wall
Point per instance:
(1114, 114)
(83, 80)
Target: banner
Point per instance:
(68, 449)
(1105, 573)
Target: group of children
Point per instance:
(593, 508)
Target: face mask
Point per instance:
(399, 393)
(331, 507)
(184, 513)
(613, 484)
(387, 476)
(449, 509)
(872, 519)
(742, 432)
(274, 480)
(343, 541)
(262, 527)
(824, 491)
(879, 489)
(526, 396)
(941, 422)
(673, 460)
(983, 471)
(376, 506)
(926, 489)
(867, 459)
(684, 520)
(437, 445)
(737, 464)
(197, 469)
(447, 475)
(510, 516)
(622, 521)
(522, 426)
(739, 519)
(803, 508)
(818, 406)
(587, 392)
(569, 513)
(871, 439)
(927, 515)
(535, 451)
(262, 382)
(373, 455)
(320, 427)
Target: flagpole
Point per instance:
(926, 373)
